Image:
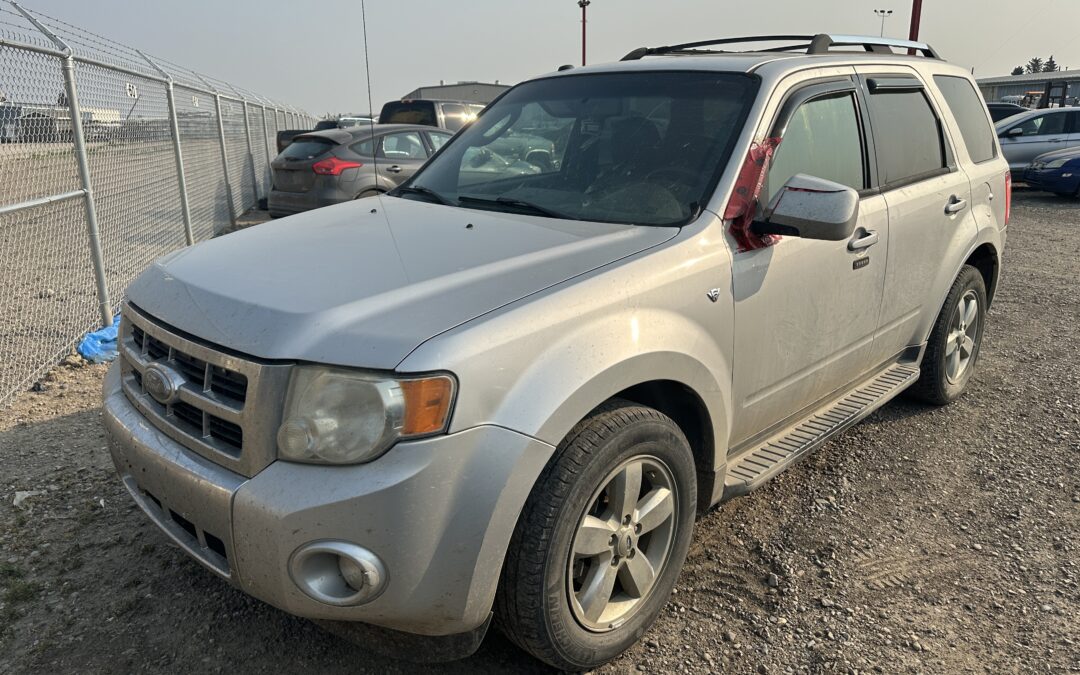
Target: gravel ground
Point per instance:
(923, 540)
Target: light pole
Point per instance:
(884, 14)
(583, 4)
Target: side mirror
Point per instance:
(1013, 133)
(811, 208)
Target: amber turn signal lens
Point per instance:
(427, 405)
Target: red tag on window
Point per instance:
(743, 203)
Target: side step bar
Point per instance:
(757, 465)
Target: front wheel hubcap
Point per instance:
(964, 329)
(622, 543)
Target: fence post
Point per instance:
(79, 141)
(251, 155)
(266, 149)
(233, 216)
(174, 124)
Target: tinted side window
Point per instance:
(365, 148)
(967, 107)
(906, 134)
(822, 139)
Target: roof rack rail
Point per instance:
(822, 43)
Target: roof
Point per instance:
(342, 136)
(1031, 77)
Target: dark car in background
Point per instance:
(320, 168)
(451, 115)
(1057, 172)
(999, 111)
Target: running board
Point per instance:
(761, 462)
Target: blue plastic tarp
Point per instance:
(99, 346)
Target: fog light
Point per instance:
(338, 573)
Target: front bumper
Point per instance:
(438, 512)
(1052, 180)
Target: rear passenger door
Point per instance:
(929, 205)
(400, 155)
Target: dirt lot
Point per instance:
(924, 540)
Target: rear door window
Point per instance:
(823, 140)
(307, 148)
(969, 110)
(365, 148)
(907, 136)
(406, 145)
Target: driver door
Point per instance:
(806, 311)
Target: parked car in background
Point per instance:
(323, 125)
(1057, 172)
(1032, 133)
(320, 168)
(999, 111)
(450, 115)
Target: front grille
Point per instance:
(226, 407)
(208, 547)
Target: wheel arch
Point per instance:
(985, 259)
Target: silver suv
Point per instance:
(506, 392)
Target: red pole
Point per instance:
(916, 17)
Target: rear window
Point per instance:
(409, 112)
(906, 134)
(968, 109)
(307, 148)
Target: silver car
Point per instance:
(508, 393)
(321, 168)
(1027, 135)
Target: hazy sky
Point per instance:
(310, 54)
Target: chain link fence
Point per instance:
(109, 158)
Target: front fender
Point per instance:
(541, 365)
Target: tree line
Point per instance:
(1037, 65)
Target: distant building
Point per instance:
(480, 92)
(997, 88)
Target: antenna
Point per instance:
(370, 102)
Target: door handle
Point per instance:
(955, 205)
(394, 169)
(867, 240)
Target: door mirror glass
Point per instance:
(811, 208)
(1014, 132)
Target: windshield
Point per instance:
(643, 148)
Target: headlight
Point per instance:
(339, 416)
(1056, 164)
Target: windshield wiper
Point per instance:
(426, 192)
(517, 204)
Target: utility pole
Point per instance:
(583, 4)
(884, 14)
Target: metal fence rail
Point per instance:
(109, 158)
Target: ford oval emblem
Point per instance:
(162, 383)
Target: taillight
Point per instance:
(1008, 196)
(332, 166)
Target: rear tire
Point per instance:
(582, 580)
(953, 348)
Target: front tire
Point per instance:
(953, 348)
(601, 539)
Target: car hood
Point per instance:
(364, 283)
(1065, 153)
